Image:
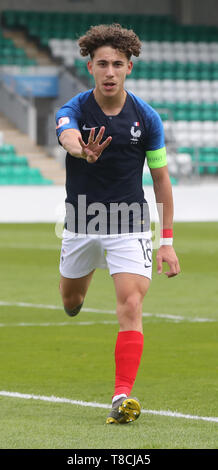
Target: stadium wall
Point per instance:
(194, 203)
(114, 6)
(186, 11)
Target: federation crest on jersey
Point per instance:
(62, 122)
(135, 133)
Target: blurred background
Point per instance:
(41, 68)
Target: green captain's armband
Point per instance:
(156, 158)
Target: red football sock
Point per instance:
(128, 352)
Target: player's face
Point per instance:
(109, 68)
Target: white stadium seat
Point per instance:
(208, 126)
(180, 126)
(195, 126)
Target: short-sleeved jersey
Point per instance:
(117, 175)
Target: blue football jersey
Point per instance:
(117, 175)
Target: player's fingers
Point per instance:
(81, 142)
(178, 267)
(170, 274)
(106, 143)
(91, 136)
(174, 270)
(159, 264)
(100, 135)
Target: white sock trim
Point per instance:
(116, 397)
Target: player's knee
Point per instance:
(132, 304)
(72, 312)
(72, 304)
(130, 312)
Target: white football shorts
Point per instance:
(129, 253)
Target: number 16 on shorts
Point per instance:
(147, 251)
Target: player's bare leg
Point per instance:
(73, 292)
(130, 291)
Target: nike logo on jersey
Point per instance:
(88, 128)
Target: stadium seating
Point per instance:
(15, 170)
(12, 55)
(177, 72)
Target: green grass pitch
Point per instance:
(44, 352)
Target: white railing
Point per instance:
(20, 111)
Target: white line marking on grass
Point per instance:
(53, 399)
(30, 305)
(29, 246)
(176, 318)
(175, 414)
(79, 323)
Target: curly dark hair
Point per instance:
(114, 35)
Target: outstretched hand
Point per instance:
(93, 149)
(167, 254)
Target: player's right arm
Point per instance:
(73, 143)
(68, 132)
(69, 140)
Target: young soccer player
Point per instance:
(107, 132)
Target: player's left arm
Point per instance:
(157, 162)
(163, 194)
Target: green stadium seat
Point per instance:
(173, 180)
(8, 159)
(181, 115)
(10, 18)
(214, 75)
(21, 161)
(13, 160)
(5, 171)
(208, 155)
(44, 182)
(168, 105)
(12, 55)
(19, 52)
(194, 115)
(4, 181)
(6, 42)
(35, 177)
(148, 27)
(44, 40)
(207, 115)
(179, 106)
(5, 61)
(81, 67)
(7, 149)
(17, 172)
(168, 74)
(164, 116)
(14, 169)
(147, 180)
(190, 150)
(157, 104)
